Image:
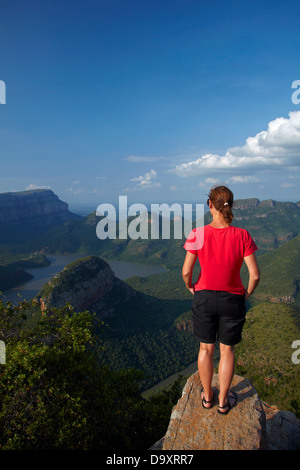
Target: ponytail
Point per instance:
(222, 199)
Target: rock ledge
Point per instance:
(192, 427)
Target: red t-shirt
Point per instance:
(220, 252)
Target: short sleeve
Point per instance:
(249, 244)
(194, 241)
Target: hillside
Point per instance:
(271, 223)
(280, 274)
(141, 326)
(265, 354)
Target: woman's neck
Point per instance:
(218, 221)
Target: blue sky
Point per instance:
(156, 100)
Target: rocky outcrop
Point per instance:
(267, 203)
(246, 427)
(42, 204)
(246, 203)
(286, 299)
(193, 427)
(283, 429)
(87, 284)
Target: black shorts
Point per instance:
(218, 315)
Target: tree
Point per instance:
(55, 394)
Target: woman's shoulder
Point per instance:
(240, 231)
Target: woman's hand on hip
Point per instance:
(191, 289)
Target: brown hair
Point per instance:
(222, 199)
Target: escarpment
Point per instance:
(28, 205)
(26, 215)
(87, 284)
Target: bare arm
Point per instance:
(187, 270)
(254, 274)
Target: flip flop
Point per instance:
(205, 401)
(228, 405)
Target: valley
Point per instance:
(152, 331)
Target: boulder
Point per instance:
(283, 429)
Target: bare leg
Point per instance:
(226, 371)
(206, 369)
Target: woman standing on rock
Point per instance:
(219, 296)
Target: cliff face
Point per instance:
(246, 203)
(250, 424)
(26, 215)
(26, 205)
(87, 284)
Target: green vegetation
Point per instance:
(265, 354)
(158, 354)
(147, 332)
(280, 271)
(93, 371)
(55, 394)
(271, 223)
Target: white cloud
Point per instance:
(207, 181)
(288, 185)
(292, 177)
(35, 186)
(146, 180)
(78, 191)
(139, 159)
(278, 145)
(243, 179)
(211, 181)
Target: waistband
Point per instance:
(220, 293)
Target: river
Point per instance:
(29, 289)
